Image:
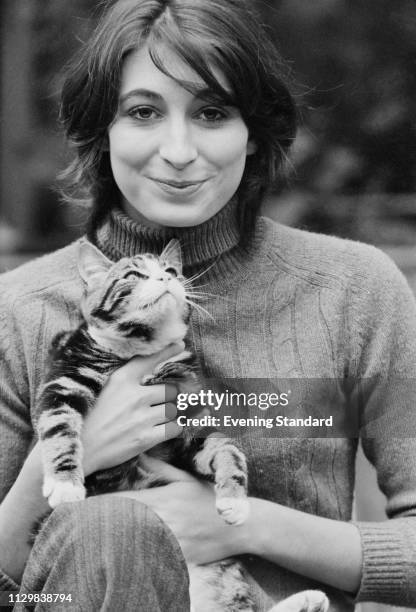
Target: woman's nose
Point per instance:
(177, 147)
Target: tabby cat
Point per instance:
(138, 306)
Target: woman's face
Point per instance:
(177, 159)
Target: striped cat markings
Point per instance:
(139, 306)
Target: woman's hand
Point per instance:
(130, 418)
(188, 509)
(319, 548)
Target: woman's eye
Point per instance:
(143, 113)
(213, 113)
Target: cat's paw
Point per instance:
(304, 601)
(234, 510)
(167, 368)
(147, 380)
(59, 492)
(316, 601)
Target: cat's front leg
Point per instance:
(59, 431)
(175, 368)
(222, 459)
(178, 370)
(304, 601)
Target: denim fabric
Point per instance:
(110, 553)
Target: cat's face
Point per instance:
(138, 302)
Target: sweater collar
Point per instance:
(121, 236)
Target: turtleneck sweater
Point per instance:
(285, 305)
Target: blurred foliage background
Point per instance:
(352, 69)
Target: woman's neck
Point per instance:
(122, 235)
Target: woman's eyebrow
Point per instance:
(209, 94)
(205, 93)
(143, 93)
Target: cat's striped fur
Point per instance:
(137, 306)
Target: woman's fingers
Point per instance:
(157, 415)
(146, 414)
(167, 431)
(164, 413)
(159, 394)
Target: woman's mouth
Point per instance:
(175, 187)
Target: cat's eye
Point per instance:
(121, 292)
(135, 273)
(171, 271)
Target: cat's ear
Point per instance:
(172, 254)
(92, 264)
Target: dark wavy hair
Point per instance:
(208, 35)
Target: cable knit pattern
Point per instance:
(291, 305)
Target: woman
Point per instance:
(181, 120)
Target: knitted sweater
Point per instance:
(289, 305)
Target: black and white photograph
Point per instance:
(208, 305)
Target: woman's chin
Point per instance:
(177, 218)
(180, 215)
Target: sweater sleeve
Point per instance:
(383, 333)
(15, 424)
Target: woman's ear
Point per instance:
(251, 147)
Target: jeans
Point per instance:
(109, 553)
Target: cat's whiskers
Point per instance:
(188, 281)
(199, 274)
(200, 309)
(204, 295)
(193, 291)
(192, 287)
(199, 294)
